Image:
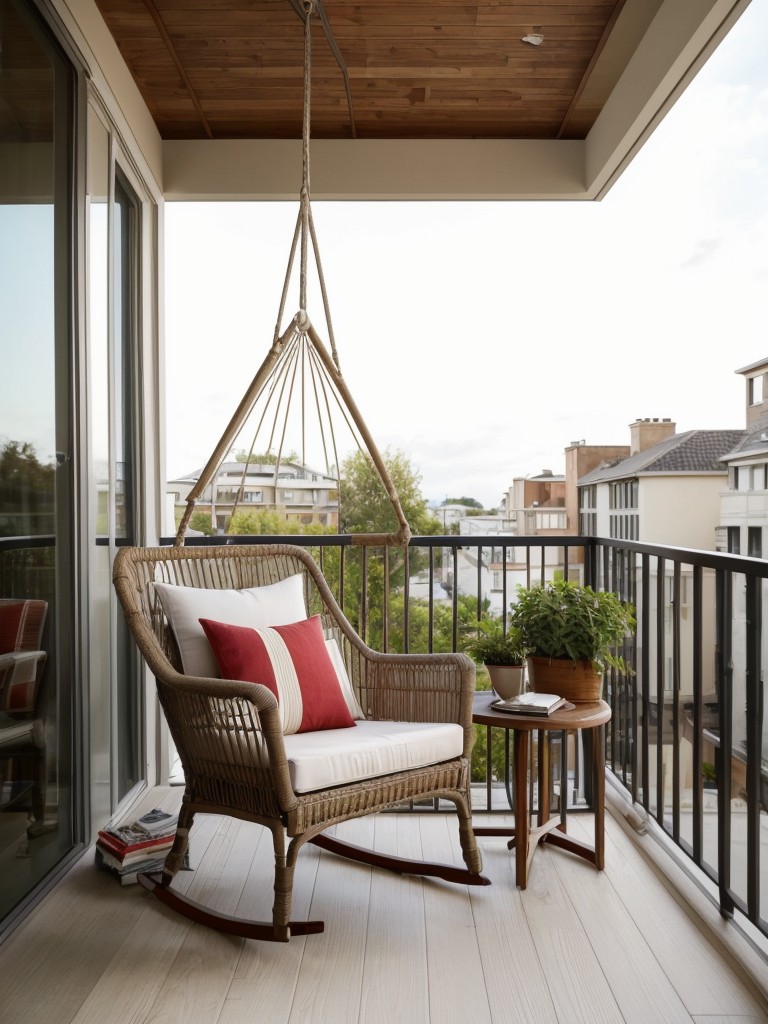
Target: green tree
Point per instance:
(201, 521)
(266, 458)
(27, 489)
(262, 522)
(469, 502)
(365, 506)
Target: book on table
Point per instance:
(530, 704)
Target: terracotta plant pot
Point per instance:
(507, 680)
(577, 681)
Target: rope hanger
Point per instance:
(299, 356)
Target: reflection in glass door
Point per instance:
(36, 464)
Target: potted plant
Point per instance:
(503, 654)
(572, 634)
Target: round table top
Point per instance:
(587, 715)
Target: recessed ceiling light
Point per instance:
(534, 38)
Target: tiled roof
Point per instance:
(754, 440)
(695, 451)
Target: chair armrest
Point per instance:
(228, 734)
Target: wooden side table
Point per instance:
(593, 716)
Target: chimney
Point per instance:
(648, 432)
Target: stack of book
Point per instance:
(128, 850)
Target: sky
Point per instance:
(481, 339)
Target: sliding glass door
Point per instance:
(38, 606)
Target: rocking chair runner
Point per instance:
(231, 744)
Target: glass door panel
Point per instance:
(115, 709)
(36, 484)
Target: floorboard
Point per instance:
(330, 981)
(395, 984)
(454, 968)
(576, 945)
(640, 985)
(515, 978)
(705, 979)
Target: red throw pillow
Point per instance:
(293, 662)
(10, 622)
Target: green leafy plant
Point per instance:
(493, 646)
(563, 619)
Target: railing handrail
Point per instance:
(746, 564)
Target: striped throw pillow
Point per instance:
(293, 662)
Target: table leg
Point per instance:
(544, 781)
(594, 854)
(522, 827)
(598, 774)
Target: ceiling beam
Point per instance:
(369, 169)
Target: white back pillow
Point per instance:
(277, 604)
(337, 660)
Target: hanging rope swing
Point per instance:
(298, 369)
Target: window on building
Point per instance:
(756, 390)
(587, 524)
(734, 540)
(755, 541)
(623, 494)
(588, 497)
(744, 478)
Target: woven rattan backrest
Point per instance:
(220, 568)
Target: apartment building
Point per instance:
(666, 490)
(295, 492)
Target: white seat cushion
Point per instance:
(334, 757)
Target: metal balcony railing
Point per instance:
(688, 739)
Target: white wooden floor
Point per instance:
(576, 945)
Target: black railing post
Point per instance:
(675, 624)
(698, 714)
(722, 763)
(754, 723)
(660, 680)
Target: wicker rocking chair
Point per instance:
(237, 760)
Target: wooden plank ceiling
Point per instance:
(382, 69)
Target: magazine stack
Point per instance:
(129, 850)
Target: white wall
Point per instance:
(680, 509)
